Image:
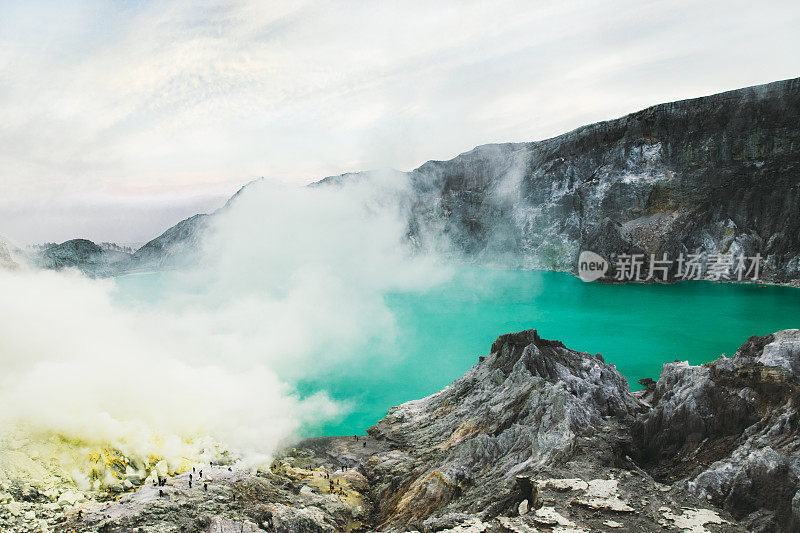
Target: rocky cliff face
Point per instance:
(719, 174)
(536, 414)
(527, 407)
(178, 246)
(535, 437)
(730, 430)
(712, 175)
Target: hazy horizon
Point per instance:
(146, 217)
(119, 120)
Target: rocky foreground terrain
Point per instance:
(535, 437)
(712, 175)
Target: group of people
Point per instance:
(334, 487)
(200, 476)
(162, 482)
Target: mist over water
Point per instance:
(309, 313)
(442, 331)
(290, 284)
(438, 332)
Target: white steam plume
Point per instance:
(292, 283)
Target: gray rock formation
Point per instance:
(179, 246)
(83, 255)
(718, 174)
(712, 175)
(176, 247)
(531, 438)
(535, 437)
(731, 430)
(524, 407)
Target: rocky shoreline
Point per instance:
(535, 437)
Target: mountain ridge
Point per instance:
(718, 174)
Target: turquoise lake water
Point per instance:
(441, 332)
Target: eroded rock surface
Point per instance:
(712, 175)
(532, 410)
(77, 253)
(535, 437)
(730, 429)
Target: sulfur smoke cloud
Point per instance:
(291, 282)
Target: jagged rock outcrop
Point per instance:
(535, 437)
(731, 429)
(182, 244)
(178, 246)
(83, 255)
(712, 175)
(524, 406)
(531, 414)
(719, 174)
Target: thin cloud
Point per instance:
(101, 98)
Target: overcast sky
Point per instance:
(117, 119)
